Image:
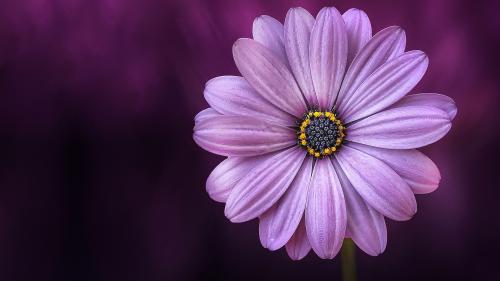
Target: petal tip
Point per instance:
(238, 43)
(274, 245)
(330, 10)
(230, 212)
(420, 56)
(371, 251)
(412, 212)
(398, 31)
(453, 110)
(354, 10)
(327, 256)
(295, 10)
(376, 252)
(296, 255)
(262, 17)
(358, 12)
(395, 28)
(232, 216)
(261, 20)
(293, 257)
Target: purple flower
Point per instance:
(319, 133)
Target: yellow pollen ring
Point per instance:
(302, 135)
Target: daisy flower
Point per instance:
(319, 132)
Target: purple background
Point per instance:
(100, 178)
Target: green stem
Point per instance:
(348, 261)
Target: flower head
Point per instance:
(320, 134)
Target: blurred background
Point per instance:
(100, 178)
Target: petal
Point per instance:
(241, 135)
(204, 114)
(386, 85)
(359, 31)
(278, 224)
(378, 184)
(224, 177)
(263, 185)
(442, 102)
(269, 32)
(268, 75)
(328, 55)
(365, 225)
(385, 45)
(298, 246)
(298, 25)
(413, 166)
(401, 128)
(232, 95)
(325, 211)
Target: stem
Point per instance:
(348, 261)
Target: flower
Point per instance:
(320, 134)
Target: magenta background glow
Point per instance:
(100, 178)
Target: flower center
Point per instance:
(321, 133)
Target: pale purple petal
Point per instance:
(278, 224)
(298, 26)
(269, 32)
(224, 177)
(386, 85)
(298, 246)
(205, 113)
(401, 128)
(241, 135)
(385, 45)
(325, 211)
(378, 184)
(413, 166)
(328, 55)
(359, 31)
(263, 185)
(232, 95)
(269, 76)
(442, 102)
(365, 225)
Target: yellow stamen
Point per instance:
(302, 136)
(317, 114)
